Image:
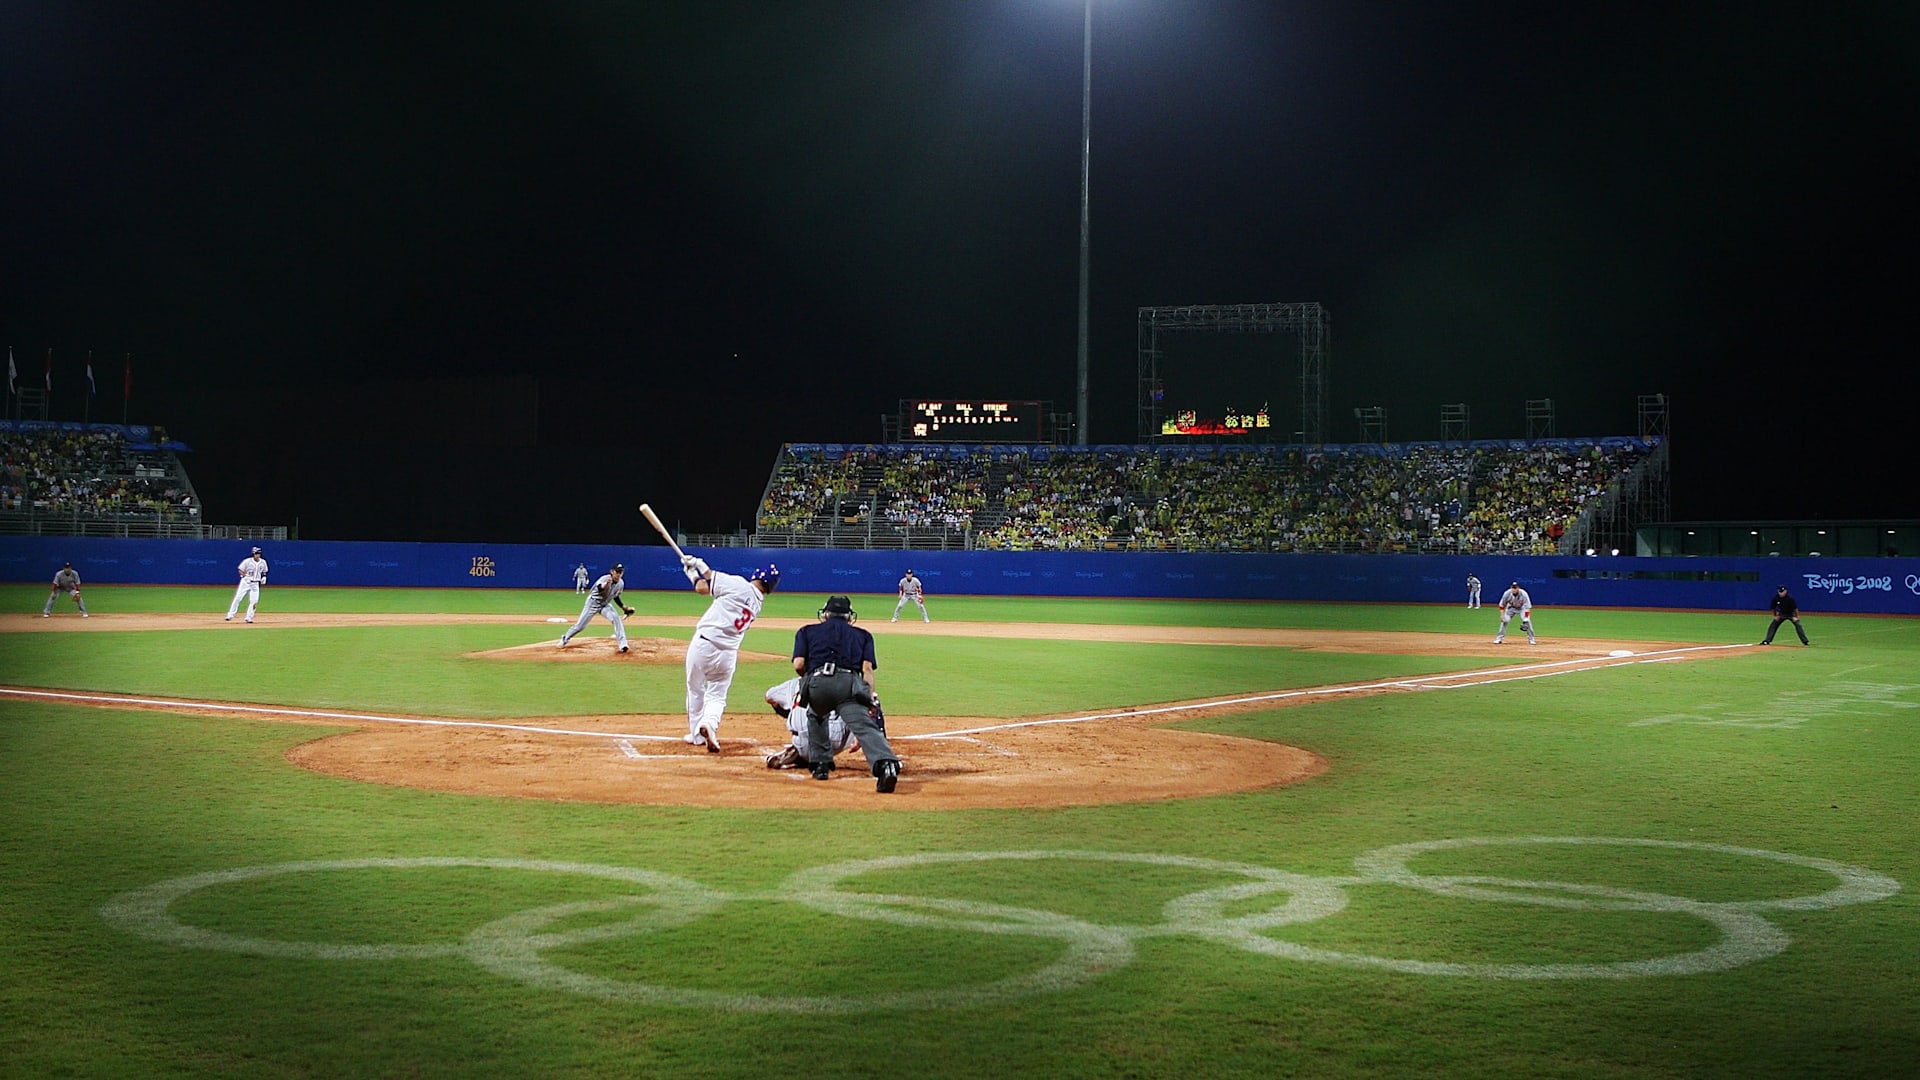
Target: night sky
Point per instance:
(502, 271)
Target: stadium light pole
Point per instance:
(1086, 149)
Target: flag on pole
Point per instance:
(13, 375)
(49, 370)
(91, 388)
(126, 390)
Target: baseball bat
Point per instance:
(661, 529)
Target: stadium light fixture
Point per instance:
(1086, 153)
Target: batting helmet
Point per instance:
(769, 574)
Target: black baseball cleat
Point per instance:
(886, 775)
(822, 772)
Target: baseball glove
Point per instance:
(626, 609)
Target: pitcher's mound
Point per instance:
(644, 650)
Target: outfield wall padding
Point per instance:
(1878, 586)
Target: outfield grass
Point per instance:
(1121, 940)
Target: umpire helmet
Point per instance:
(838, 607)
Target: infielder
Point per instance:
(715, 648)
(253, 574)
(66, 578)
(1515, 601)
(603, 598)
(1473, 591)
(580, 578)
(910, 590)
(798, 752)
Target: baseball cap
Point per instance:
(256, 551)
(618, 568)
(838, 605)
(769, 574)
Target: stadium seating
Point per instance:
(1509, 497)
(100, 479)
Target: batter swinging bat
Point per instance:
(662, 529)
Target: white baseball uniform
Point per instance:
(783, 695)
(1473, 591)
(580, 578)
(910, 590)
(1515, 601)
(715, 649)
(253, 574)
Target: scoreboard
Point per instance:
(948, 420)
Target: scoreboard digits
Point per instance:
(949, 420)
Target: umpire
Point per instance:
(835, 662)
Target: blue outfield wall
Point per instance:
(1881, 586)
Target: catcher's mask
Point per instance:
(838, 607)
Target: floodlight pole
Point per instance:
(1086, 148)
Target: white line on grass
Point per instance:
(314, 714)
(1450, 681)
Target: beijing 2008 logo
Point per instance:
(512, 947)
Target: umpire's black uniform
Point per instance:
(834, 658)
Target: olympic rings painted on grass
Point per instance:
(512, 947)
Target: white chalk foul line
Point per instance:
(1449, 681)
(317, 714)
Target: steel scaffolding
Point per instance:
(1309, 321)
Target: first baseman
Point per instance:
(66, 578)
(715, 647)
(1515, 601)
(253, 574)
(604, 598)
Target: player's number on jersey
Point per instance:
(745, 620)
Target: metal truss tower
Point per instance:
(1308, 321)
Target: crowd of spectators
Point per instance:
(927, 490)
(1516, 498)
(89, 473)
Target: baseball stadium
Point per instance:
(540, 616)
(1209, 764)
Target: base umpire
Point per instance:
(835, 662)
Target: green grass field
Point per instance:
(1663, 869)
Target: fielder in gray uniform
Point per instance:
(1515, 601)
(66, 578)
(604, 599)
(910, 591)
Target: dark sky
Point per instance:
(689, 232)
